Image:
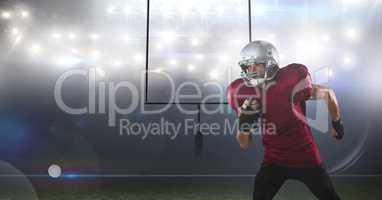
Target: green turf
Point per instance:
(349, 189)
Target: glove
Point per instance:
(248, 115)
(339, 128)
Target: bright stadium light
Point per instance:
(330, 72)
(56, 35)
(95, 53)
(195, 42)
(203, 10)
(35, 49)
(24, 14)
(348, 62)
(126, 38)
(18, 39)
(351, 33)
(74, 50)
(214, 74)
(94, 36)
(15, 31)
(116, 63)
(190, 67)
(300, 43)
(199, 57)
(223, 58)
(184, 8)
(127, 10)
(59, 60)
(138, 58)
(6, 15)
(241, 9)
(325, 38)
(110, 10)
(259, 9)
(168, 36)
(159, 46)
(220, 10)
(72, 36)
(165, 10)
(173, 62)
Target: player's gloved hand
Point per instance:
(338, 127)
(249, 115)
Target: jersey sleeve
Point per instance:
(231, 98)
(304, 87)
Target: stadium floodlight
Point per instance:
(24, 14)
(72, 36)
(127, 10)
(347, 60)
(138, 58)
(15, 31)
(6, 15)
(325, 38)
(220, 10)
(169, 36)
(214, 74)
(184, 8)
(351, 33)
(56, 35)
(203, 10)
(94, 36)
(195, 41)
(116, 63)
(173, 62)
(223, 58)
(110, 10)
(126, 38)
(159, 46)
(259, 9)
(166, 11)
(241, 9)
(18, 39)
(190, 67)
(74, 50)
(60, 60)
(199, 57)
(95, 53)
(35, 49)
(330, 72)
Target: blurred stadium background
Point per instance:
(340, 42)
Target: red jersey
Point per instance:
(290, 141)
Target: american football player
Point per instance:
(271, 100)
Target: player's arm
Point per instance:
(244, 139)
(327, 94)
(248, 116)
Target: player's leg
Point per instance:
(319, 183)
(268, 181)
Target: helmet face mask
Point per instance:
(255, 53)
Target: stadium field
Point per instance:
(197, 189)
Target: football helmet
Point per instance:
(259, 52)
